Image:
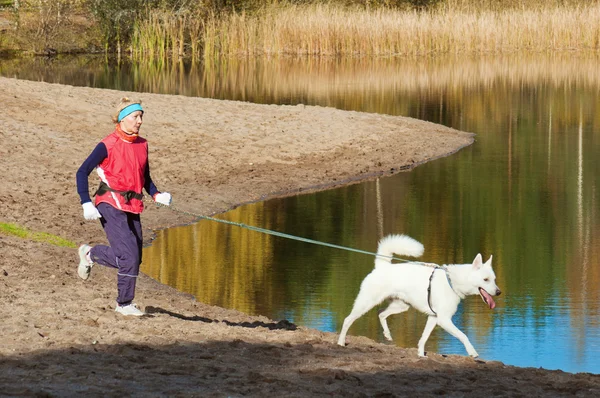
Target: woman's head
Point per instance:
(128, 115)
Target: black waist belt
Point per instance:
(127, 195)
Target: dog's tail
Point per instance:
(398, 244)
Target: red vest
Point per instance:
(123, 170)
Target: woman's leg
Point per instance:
(123, 231)
(129, 270)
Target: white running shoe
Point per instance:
(85, 266)
(130, 309)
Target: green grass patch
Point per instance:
(44, 237)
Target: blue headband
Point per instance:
(129, 109)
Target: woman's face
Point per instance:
(131, 123)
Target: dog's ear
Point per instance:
(477, 263)
(489, 261)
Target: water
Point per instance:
(526, 192)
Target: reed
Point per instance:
(160, 35)
(330, 30)
(195, 28)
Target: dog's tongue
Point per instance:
(487, 298)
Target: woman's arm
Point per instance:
(148, 183)
(96, 157)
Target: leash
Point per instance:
(284, 235)
(316, 242)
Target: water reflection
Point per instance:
(372, 85)
(525, 192)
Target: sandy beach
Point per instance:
(60, 334)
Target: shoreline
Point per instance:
(61, 334)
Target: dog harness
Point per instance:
(436, 267)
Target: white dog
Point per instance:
(433, 290)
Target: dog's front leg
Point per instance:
(448, 325)
(429, 326)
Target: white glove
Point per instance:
(164, 198)
(90, 212)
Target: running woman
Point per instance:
(121, 161)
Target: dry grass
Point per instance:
(329, 30)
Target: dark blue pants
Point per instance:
(124, 233)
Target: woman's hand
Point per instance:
(164, 198)
(90, 212)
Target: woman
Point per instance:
(121, 160)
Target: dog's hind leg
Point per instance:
(354, 315)
(448, 325)
(367, 298)
(429, 326)
(395, 307)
